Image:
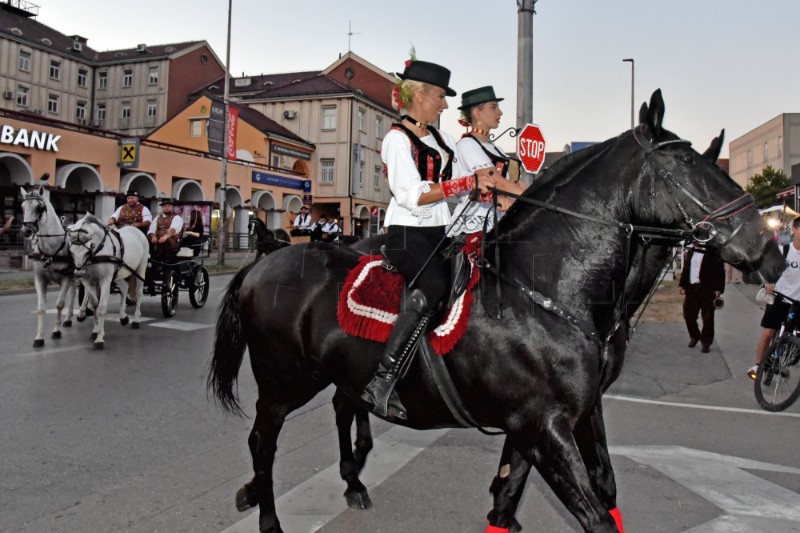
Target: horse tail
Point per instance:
(229, 346)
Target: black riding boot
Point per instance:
(410, 326)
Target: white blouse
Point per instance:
(407, 185)
(469, 217)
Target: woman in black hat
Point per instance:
(480, 110)
(420, 166)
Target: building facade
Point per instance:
(776, 143)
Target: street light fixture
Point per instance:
(632, 62)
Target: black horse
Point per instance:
(541, 375)
(267, 240)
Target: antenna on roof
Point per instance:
(350, 33)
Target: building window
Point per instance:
(126, 110)
(378, 177)
(362, 120)
(127, 77)
(196, 128)
(52, 104)
(276, 161)
(329, 118)
(749, 158)
(327, 170)
(80, 111)
(22, 95)
(102, 80)
(780, 146)
(82, 75)
(152, 78)
(101, 113)
(766, 151)
(55, 69)
(24, 61)
(152, 108)
(378, 127)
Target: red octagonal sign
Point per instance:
(530, 148)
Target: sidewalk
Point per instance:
(659, 364)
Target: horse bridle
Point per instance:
(93, 257)
(704, 231)
(41, 208)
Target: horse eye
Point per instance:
(687, 159)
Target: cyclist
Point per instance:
(788, 284)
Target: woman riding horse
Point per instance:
(559, 258)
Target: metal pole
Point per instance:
(632, 97)
(525, 10)
(223, 180)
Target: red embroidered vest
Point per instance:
(163, 223)
(130, 215)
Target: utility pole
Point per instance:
(526, 10)
(631, 61)
(223, 180)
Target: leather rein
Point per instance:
(60, 255)
(701, 232)
(95, 259)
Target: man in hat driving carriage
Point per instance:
(132, 213)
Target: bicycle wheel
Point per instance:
(777, 384)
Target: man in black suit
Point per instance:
(702, 281)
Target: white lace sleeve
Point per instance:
(422, 211)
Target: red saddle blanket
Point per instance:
(370, 301)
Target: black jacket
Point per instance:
(712, 272)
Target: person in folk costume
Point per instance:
(422, 173)
(132, 213)
(193, 234)
(302, 222)
(480, 110)
(165, 230)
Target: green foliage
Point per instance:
(766, 185)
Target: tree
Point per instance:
(766, 185)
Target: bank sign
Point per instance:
(29, 138)
(266, 178)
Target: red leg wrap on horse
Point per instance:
(617, 518)
(495, 529)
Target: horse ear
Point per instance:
(655, 113)
(643, 113)
(23, 192)
(712, 152)
(41, 190)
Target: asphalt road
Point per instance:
(126, 439)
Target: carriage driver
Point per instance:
(132, 213)
(165, 230)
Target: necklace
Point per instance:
(421, 125)
(480, 131)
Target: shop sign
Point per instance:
(29, 138)
(291, 152)
(266, 178)
(129, 153)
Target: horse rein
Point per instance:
(46, 259)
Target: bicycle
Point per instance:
(777, 382)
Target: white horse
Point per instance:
(49, 249)
(103, 256)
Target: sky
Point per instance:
(719, 63)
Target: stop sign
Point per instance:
(530, 148)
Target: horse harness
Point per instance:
(94, 258)
(60, 255)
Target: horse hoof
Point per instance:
(94, 336)
(358, 500)
(80, 318)
(67, 324)
(515, 526)
(135, 325)
(99, 346)
(38, 343)
(55, 335)
(246, 498)
(124, 321)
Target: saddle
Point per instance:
(370, 298)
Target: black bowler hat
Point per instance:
(304, 207)
(132, 192)
(478, 96)
(429, 73)
(167, 201)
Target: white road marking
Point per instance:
(318, 500)
(746, 499)
(699, 406)
(109, 316)
(177, 324)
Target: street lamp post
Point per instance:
(632, 105)
(223, 180)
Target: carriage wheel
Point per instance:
(169, 295)
(198, 288)
(777, 384)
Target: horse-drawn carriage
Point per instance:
(166, 276)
